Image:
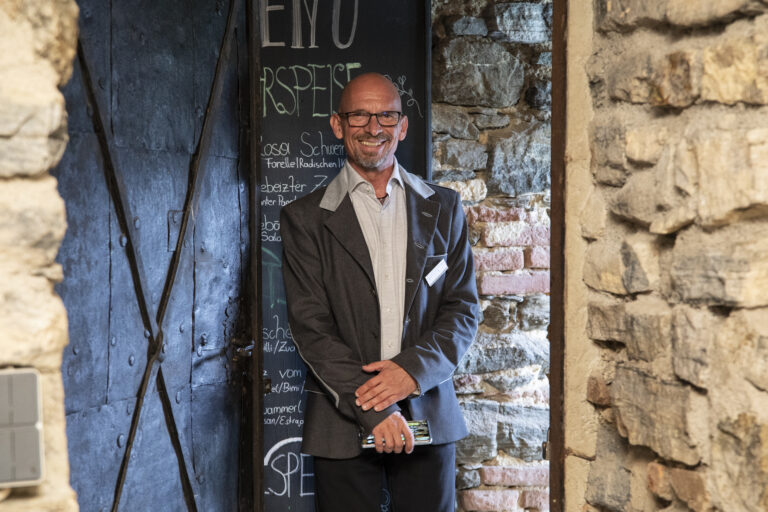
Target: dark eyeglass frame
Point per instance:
(368, 116)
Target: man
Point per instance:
(382, 306)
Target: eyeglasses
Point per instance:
(360, 118)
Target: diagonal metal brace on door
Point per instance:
(153, 323)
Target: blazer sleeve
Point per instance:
(333, 363)
(434, 358)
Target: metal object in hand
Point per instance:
(420, 430)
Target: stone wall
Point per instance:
(667, 236)
(491, 143)
(37, 46)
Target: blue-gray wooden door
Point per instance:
(154, 411)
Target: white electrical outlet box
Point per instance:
(21, 428)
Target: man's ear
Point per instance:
(336, 126)
(403, 128)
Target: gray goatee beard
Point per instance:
(372, 162)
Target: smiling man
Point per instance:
(382, 305)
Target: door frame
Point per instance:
(556, 442)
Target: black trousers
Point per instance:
(423, 481)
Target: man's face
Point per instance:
(370, 147)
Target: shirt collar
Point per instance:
(339, 186)
(354, 180)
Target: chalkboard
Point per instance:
(309, 50)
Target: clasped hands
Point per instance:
(390, 385)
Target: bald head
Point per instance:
(365, 85)
(370, 147)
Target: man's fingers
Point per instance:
(369, 398)
(374, 366)
(409, 441)
(367, 391)
(382, 401)
(393, 435)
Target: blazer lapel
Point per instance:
(422, 222)
(344, 226)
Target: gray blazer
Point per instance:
(334, 313)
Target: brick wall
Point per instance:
(673, 223)
(491, 131)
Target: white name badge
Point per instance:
(436, 272)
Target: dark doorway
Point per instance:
(156, 184)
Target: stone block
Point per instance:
(533, 312)
(499, 258)
(726, 267)
(481, 417)
(732, 173)
(474, 235)
(527, 475)
(537, 500)
(669, 80)
(628, 14)
(637, 200)
(537, 257)
(603, 267)
(521, 282)
(608, 156)
(471, 71)
(656, 197)
(649, 328)
(477, 500)
(740, 452)
(520, 162)
(482, 213)
(623, 14)
(495, 352)
(629, 78)
(688, 486)
(459, 154)
(598, 392)
(693, 341)
(466, 26)
(438, 176)
(664, 416)
(485, 121)
(467, 384)
(701, 12)
(736, 70)
(608, 484)
(745, 332)
(644, 144)
(454, 121)
(32, 223)
(622, 268)
(594, 216)
(467, 478)
(658, 481)
(34, 330)
(676, 80)
(514, 233)
(471, 191)
(539, 95)
(522, 430)
(513, 379)
(33, 128)
(51, 30)
(520, 22)
(606, 320)
(496, 315)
